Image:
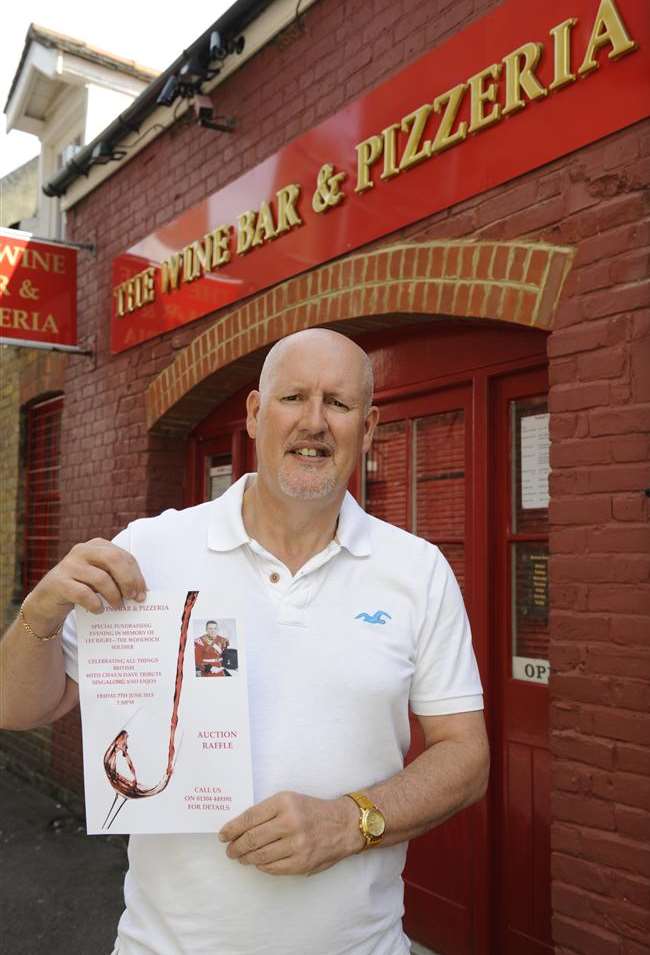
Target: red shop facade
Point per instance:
(463, 189)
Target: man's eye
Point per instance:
(338, 404)
(291, 398)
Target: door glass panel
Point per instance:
(529, 558)
(219, 476)
(385, 474)
(530, 464)
(530, 612)
(439, 478)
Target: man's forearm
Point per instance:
(292, 834)
(32, 679)
(445, 778)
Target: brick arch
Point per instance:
(41, 376)
(515, 282)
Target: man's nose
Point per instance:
(314, 419)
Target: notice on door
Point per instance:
(535, 465)
(530, 669)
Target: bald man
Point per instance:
(321, 582)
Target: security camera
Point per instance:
(203, 108)
(237, 46)
(168, 93)
(216, 49)
(206, 117)
(219, 48)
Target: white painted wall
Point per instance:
(102, 107)
(91, 98)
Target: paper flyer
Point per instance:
(164, 711)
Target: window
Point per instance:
(42, 498)
(529, 540)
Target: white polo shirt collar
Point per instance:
(226, 529)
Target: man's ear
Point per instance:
(252, 410)
(370, 424)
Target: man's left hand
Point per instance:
(292, 834)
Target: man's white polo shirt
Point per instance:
(335, 655)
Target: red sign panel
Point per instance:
(38, 290)
(517, 89)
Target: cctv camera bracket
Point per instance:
(227, 126)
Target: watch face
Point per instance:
(375, 823)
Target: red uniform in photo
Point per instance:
(208, 651)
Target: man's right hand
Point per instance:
(91, 571)
(34, 688)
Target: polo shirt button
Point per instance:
(274, 577)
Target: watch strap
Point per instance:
(362, 801)
(365, 805)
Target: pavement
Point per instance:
(60, 890)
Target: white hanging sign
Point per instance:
(535, 464)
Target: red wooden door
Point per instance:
(219, 451)
(436, 460)
(465, 465)
(522, 780)
(418, 475)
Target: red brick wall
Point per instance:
(600, 568)
(599, 401)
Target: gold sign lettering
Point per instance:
(201, 257)
(148, 287)
(220, 242)
(170, 272)
(27, 321)
(444, 137)
(32, 259)
(609, 29)
(137, 291)
(562, 53)
(287, 213)
(400, 146)
(519, 76)
(36, 260)
(187, 257)
(368, 152)
(265, 227)
(480, 95)
(328, 189)
(11, 253)
(390, 151)
(415, 150)
(254, 228)
(245, 231)
(486, 107)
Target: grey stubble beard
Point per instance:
(297, 489)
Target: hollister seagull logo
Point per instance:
(377, 617)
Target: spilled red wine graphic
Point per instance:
(125, 783)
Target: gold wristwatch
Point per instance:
(371, 821)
